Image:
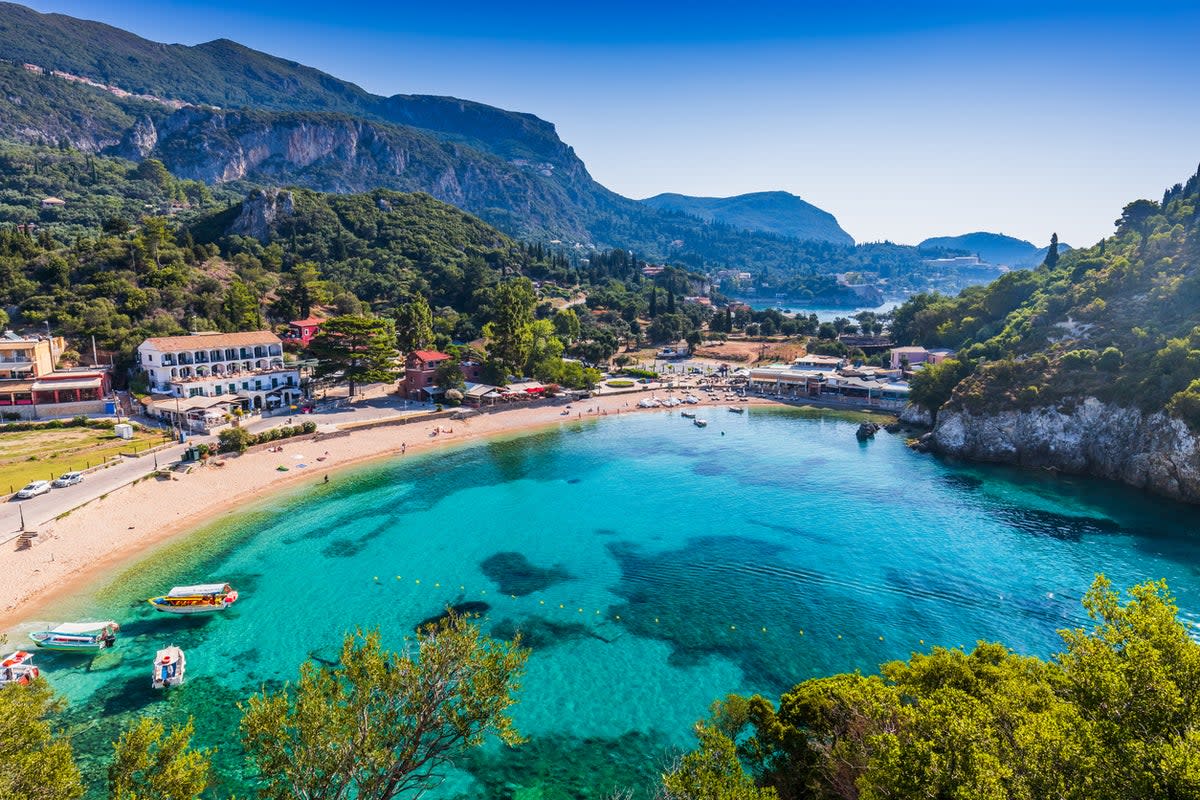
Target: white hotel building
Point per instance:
(210, 369)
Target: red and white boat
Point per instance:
(17, 668)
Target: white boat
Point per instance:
(17, 668)
(169, 665)
(203, 598)
(78, 637)
(737, 410)
(691, 400)
(688, 414)
(649, 402)
(700, 423)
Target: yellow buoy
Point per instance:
(764, 630)
(418, 580)
(656, 619)
(560, 605)
(376, 578)
(541, 602)
(922, 641)
(581, 611)
(839, 636)
(512, 597)
(801, 632)
(881, 638)
(437, 586)
(398, 577)
(733, 627)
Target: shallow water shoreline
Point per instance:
(90, 545)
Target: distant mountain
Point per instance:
(226, 114)
(780, 213)
(995, 248)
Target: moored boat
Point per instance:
(700, 423)
(78, 637)
(737, 410)
(169, 666)
(688, 414)
(17, 668)
(203, 598)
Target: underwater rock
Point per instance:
(516, 575)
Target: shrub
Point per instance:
(1111, 359)
(635, 372)
(619, 383)
(234, 440)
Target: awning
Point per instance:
(15, 386)
(201, 588)
(49, 386)
(83, 627)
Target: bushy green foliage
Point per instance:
(1112, 716)
(36, 762)
(234, 440)
(1117, 321)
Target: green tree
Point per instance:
(302, 289)
(1052, 254)
(566, 325)
(35, 762)
(153, 171)
(233, 440)
(713, 772)
(933, 385)
(509, 331)
(414, 324)
(150, 764)
(241, 308)
(355, 350)
(382, 724)
(448, 375)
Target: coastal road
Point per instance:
(39, 510)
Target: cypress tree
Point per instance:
(653, 302)
(1052, 253)
(670, 301)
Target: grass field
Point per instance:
(40, 455)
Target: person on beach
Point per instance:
(403, 448)
(327, 479)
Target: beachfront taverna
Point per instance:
(207, 374)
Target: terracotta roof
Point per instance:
(307, 321)
(207, 341)
(428, 355)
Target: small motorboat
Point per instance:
(78, 637)
(204, 598)
(169, 665)
(737, 410)
(17, 668)
(688, 414)
(700, 423)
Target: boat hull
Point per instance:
(68, 647)
(166, 609)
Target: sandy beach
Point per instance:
(100, 537)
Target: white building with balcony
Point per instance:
(246, 367)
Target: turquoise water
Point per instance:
(653, 568)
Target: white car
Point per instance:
(67, 479)
(33, 490)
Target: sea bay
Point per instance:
(652, 566)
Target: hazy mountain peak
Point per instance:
(778, 212)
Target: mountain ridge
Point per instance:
(777, 212)
(994, 248)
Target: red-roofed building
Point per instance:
(420, 367)
(302, 331)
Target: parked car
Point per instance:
(67, 479)
(33, 490)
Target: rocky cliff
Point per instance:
(1150, 451)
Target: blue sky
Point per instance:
(905, 120)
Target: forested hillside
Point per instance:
(1119, 321)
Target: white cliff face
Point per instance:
(916, 415)
(1154, 452)
(261, 210)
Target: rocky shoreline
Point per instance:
(1155, 452)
